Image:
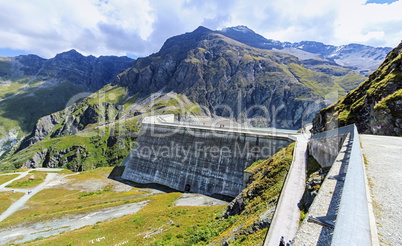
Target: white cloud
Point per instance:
(118, 27)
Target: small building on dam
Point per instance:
(197, 159)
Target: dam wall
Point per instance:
(203, 160)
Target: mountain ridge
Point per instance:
(341, 54)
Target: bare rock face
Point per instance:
(235, 207)
(313, 185)
(375, 106)
(69, 122)
(58, 158)
(36, 160)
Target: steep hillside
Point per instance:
(99, 130)
(375, 106)
(232, 79)
(32, 87)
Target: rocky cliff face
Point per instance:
(232, 79)
(375, 106)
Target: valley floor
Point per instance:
(52, 196)
(384, 172)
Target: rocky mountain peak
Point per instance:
(202, 29)
(71, 54)
(181, 43)
(362, 58)
(240, 28)
(246, 35)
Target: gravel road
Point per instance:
(384, 171)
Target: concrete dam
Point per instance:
(206, 160)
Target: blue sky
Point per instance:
(381, 1)
(140, 27)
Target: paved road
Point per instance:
(384, 171)
(286, 219)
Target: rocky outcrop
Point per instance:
(313, 185)
(71, 158)
(36, 160)
(375, 106)
(70, 121)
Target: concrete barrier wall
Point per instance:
(352, 223)
(207, 161)
(351, 213)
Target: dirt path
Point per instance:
(286, 219)
(384, 172)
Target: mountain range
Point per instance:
(233, 73)
(362, 58)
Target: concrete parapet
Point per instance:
(342, 198)
(325, 205)
(353, 223)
